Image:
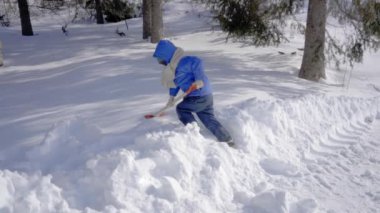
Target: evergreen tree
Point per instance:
(99, 12)
(259, 21)
(362, 18)
(262, 22)
(117, 10)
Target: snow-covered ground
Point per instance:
(73, 137)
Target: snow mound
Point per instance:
(280, 144)
(269, 126)
(30, 193)
(68, 138)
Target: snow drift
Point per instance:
(283, 152)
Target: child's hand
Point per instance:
(170, 102)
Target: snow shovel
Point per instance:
(176, 99)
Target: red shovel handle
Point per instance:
(191, 88)
(149, 116)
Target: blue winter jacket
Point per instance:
(189, 70)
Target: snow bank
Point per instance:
(297, 140)
(269, 125)
(182, 170)
(68, 138)
(30, 193)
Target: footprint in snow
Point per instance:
(277, 167)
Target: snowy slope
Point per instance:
(73, 137)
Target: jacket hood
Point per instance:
(165, 51)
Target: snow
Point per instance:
(73, 137)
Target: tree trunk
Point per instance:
(99, 13)
(26, 25)
(147, 18)
(1, 54)
(313, 61)
(157, 22)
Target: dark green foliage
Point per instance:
(117, 10)
(356, 52)
(364, 19)
(370, 15)
(260, 21)
(114, 10)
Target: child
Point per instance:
(186, 72)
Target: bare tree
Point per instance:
(147, 18)
(157, 21)
(313, 62)
(26, 25)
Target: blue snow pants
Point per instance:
(203, 107)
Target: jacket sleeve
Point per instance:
(173, 91)
(198, 70)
